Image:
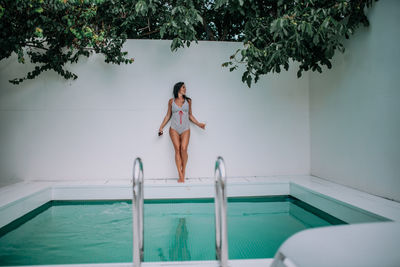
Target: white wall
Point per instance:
(94, 127)
(355, 110)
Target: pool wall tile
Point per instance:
(87, 192)
(18, 208)
(160, 191)
(258, 189)
(338, 209)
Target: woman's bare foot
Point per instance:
(181, 177)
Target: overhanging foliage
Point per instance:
(52, 33)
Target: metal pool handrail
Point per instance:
(221, 237)
(137, 212)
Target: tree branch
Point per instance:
(148, 33)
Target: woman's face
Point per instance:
(183, 90)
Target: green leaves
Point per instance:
(20, 54)
(38, 32)
(52, 33)
(141, 7)
(39, 10)
(180, 24)
(305, 31)
(1, 11)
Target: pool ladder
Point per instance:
(221, 238)
(221, 231)
(137, 212)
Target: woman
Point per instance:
(180, 110)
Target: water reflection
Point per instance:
(179, 250)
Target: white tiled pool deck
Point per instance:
(20, 198)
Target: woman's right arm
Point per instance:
(167, 117)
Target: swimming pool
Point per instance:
(64, 232)
(310, 190)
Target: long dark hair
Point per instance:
(178, 86)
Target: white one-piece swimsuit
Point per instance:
(180, 117)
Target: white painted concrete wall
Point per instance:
(355, 110)
(94, 127)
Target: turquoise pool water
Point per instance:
(65, 232)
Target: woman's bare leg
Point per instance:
(184, 154)
(177, 146)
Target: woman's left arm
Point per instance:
(193, 119)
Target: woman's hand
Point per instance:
(166, 118)
(202, 125)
